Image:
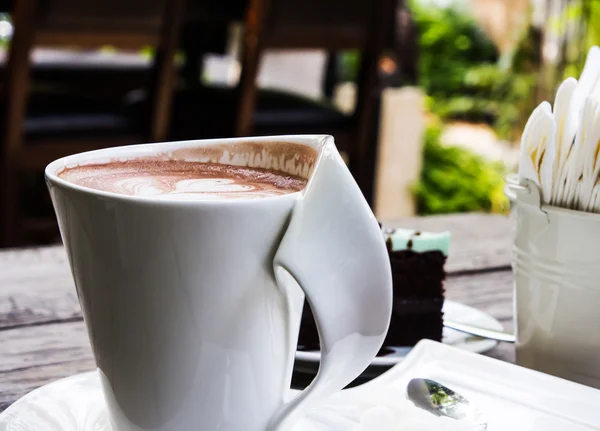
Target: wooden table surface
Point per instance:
(43, 337)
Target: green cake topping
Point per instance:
(408, 239)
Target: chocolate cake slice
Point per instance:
(417, 260)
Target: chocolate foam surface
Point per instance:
(182, 179)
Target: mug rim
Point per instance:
(50, 172)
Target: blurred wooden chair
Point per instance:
(206, 30)
(332, 25)
(42, 124)
(209, 111)
(205, 111)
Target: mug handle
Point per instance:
(334, 249)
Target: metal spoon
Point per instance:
(490, 334)
(442, 401)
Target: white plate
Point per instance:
(453, 311)
(512, 398)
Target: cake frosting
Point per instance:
(408, 239)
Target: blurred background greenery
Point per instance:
(455, 179)
(468, 79)
(471, 77)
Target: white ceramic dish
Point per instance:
(512, 398)
(309, 360)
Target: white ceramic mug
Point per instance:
(556, 263)
(191, 306)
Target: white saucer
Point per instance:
(511, 397)
(308, 361)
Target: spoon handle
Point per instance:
(480, 332)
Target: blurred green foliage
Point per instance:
(450, 43)
(5, 39)
(348, 63)
(578, 28)
(459, 70)
(454, 179)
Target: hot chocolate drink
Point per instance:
(181, 179)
